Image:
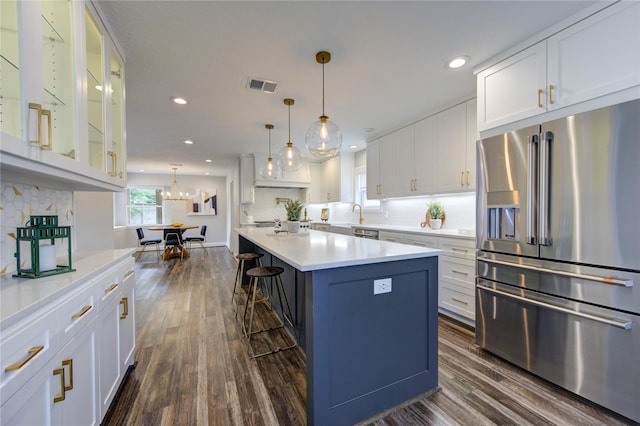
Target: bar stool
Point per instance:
(237, 284)
(255, 274)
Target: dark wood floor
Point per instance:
(193, 366)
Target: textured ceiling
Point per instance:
(387, 68)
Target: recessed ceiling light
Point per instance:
(188, 142)
(207, 173)
(353, 146)
(207, 160)
(458, 61)
(179, 101)
(141, 170)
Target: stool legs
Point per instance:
(286, 315)
(237, 284)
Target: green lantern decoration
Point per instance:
(43, 229)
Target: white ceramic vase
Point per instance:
(435, 223)
(293, 226)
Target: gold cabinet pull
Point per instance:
(38, 108)
(80, 314)
(463, 250)
(462, 178)
(459, 272)
(551, 87)
(60, 372)
(113, 155)
(32, 352)
(111, 288)
(125, 307)
(540, 98)
(129, 272)
(455, 299)
(68, 362)
(48, 146)
(468, 177)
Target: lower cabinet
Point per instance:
(456, 271)
(63, 364)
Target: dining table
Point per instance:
(178, 250)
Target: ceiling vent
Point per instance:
(265, 86)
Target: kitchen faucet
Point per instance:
(354, 209)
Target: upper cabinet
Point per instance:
(596, 56)
(60, 95)
(433, 155)
(332, 180)
(247, 179)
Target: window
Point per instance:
(144, 206)
(361, 192)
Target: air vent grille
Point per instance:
(266, 86)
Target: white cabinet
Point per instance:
(424, 155)
(116, 339)
(52, 358)
(332, 180)
(402, 173)
(594, 57)
(382, 176)
(374, 170)
(456, 159)
(45, 129)
(247, 179)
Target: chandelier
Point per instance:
(324, 138)
(175, 194)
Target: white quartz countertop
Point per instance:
(467, 234)
(19, 297)
(310, 250)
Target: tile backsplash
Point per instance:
(17, 203)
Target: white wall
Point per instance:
(93, 214)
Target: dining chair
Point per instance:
(173, 241)
(199, 238)
(142, 242)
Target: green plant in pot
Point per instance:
(294, 209)
(435, 211)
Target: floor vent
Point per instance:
(266, 86)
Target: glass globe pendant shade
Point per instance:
(269, 170)
(289, 158)
(324, 138)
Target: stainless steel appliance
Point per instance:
(558, 238)
(372, 234)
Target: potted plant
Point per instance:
(435, 211)
(293, 208)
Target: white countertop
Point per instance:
(313, 250)
(467, 234)
(20, 297)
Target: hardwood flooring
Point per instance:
(193, 367)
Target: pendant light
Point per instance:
(175, 194)
(269, 170)
(324, 138)
(289, 157)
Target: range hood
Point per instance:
(301, 178)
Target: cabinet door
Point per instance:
(11, 71)
(117, 151)
(315, 191)
(403, 165)
(472, 138)
(247, 178)
(127, 324)
(451, 152)
(392, 237)
(388, 169)
(108, 345)
(595, 57)
(513, 89)
(78, 359)
(374, 173)
(95, 92)
(424, 155)
(331, 179)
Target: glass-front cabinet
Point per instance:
(61, 94)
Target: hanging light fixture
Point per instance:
(270, 170)
(175, 194)
(289, 157)
(324, 138)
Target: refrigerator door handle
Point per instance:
(544, 178)
(625, 325)
(532, 191)
(623, 282)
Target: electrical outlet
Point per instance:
(382, 286)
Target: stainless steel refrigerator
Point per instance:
(558, 238)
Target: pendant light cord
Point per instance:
(323, 88)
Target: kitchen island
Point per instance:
(366, 352)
